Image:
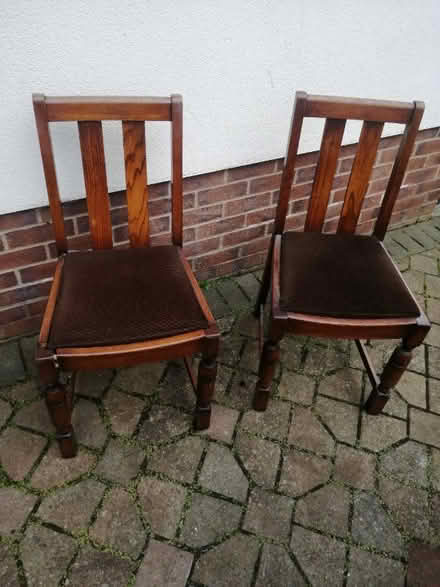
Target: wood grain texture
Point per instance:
(136, 182)
(177, 169)
(108, 108)
(40, 110)
(325, 171)
(51, 302)
(360, 175)
(95, 179)
(358, 109)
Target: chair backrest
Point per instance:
(337, 111)
(89, 112)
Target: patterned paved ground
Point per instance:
(311, 492)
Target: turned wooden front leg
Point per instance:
(205, 386)
(59, 402)
(268, 363)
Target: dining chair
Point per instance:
(343, 285)
(114, 307)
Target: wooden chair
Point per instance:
(113, 307)
(341, 285)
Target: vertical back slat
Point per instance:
(325, 171)
(136, 182)
(289, 163)
(398, 171)
(50, 171)
(360, 175)
(177, 170)
(95, 179)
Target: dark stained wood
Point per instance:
(197, 291)
(372, 376)
(360, 175)
(95, 179)
(358, 109)
(177, 170)
(40, 110)
(92, 108)
(51, 302)
(136, 182)
(398, 171)
(325, 171)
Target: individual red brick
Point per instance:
(380, 171)
(389, 142)
(245, 204)
(379, 185)
(369, 214)
(158, 207)
(14, 259)
(426, 147)
(201, 215)
(203, 181)
(117, 199)
(7, 280)
(241, 236)
(215, 258)
(77, 243)
(34, 235)
(161, 224)
(411, 202)
(345, 165)
(37, 308)
(427, 133)
(22, 294)
(365, 227)
(304, 174)
(421, 175)
(119, 216)
(301, 191)
(74, 208)
(222, 193)
(387, 155)
(428, 186)
(348, 150)
(220, 227)
(340, 181)
(305, 159)
(161, 190)
(37, 272)
(189, 200)
(189, 235)
(17, 220)
(337, 195)
(82, 224)
(201, 247)
(253, 170)
(433, 159)
(372, 201)
(433, 196)
(330, 226)
(265, 184)
(333, 211)
(416, 163)
(260, 216)
(12, 314)
(299, 205)
(26, 326)
(295, 222)
(159, 239)
(255, 246)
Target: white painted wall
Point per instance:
(236, 62)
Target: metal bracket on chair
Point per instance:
(63, 436)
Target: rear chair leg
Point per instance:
(59, 401)
(395, 368)
(268, 362)
(205, 386)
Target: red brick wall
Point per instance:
(227, 219)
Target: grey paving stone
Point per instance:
(208, 520)
(142, 379)
(15, 506)
(259, 457)
(433, 309)
(321, 558)
(297, 388)
(436, 469)
(423, 565)
(354, 467)
(320, 360)
(291, 352)
(325, 509)
(88, 425)
(45, 555)
(341, 418)
(424, 427)
(302, 472)
(93, 383)
(379, 432)
(221, 473)
(178, 461)
(414, 280)
(28, 346)
(229, 563)
(375, 351)
(306, 431)
(223, 421)
(418, 362)
(118, 525)
(395, 406)
(230, 350)
(124, 411)
(345, 384)
(54, 471)
(234, 296)
(72, 507)
(412, 388)
(162, 503)
(268, 515)
(433, 337)
(250, 284)
(95, 569)
(18, 451)
(424, 264)
(435, 518)
(12, 368)
(176, 389)
(277, 568)
(247, 325)
(433, 286)
(406, 241)
(5, 411)
(35, 416)
(164, 564)
(409, 507)
(367, 568)
(434, 395)
(373, 527)
(272, 423)
(21, 392)
(163, 423)
(250, 357)
(226, 324)
(407, 463)
(120, 462)
(434, 362)
(8, 567)
(215, 301)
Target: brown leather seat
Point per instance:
(120, 296)
(341, 275)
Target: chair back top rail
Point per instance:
(337, 111)
(89, 112)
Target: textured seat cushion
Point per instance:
(123, 295)
(342, 275)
